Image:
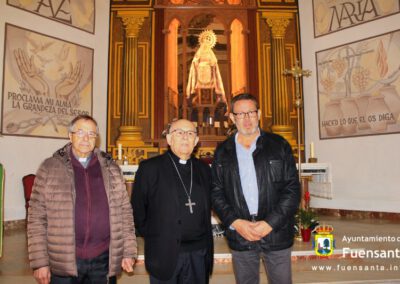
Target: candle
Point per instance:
(312, 150)
(119, 151)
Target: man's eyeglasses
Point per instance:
(180, 133)
(241, 115)
(82, 133)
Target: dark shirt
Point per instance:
(92, 221)
(194, 229)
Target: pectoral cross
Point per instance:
(190, 204)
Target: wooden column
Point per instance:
(130, 131)
(186, 114)
(278, 22)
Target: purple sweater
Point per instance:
(92, 221)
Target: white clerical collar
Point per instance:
(183, 162)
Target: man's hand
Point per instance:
(247, 230)
(127, 264)
(42, 275)
(262, 227)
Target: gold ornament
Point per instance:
(207, 38)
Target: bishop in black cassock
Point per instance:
(171, 208)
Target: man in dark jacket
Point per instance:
(171, 206)
(256, 194)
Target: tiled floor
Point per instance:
(307, 268)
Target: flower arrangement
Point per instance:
(307, 219)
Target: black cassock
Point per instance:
(162, 213)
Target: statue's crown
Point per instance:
(208, 38)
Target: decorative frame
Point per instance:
(1, 208)
(358, 87)
(75, 13)
(46, 83)
(330, 16)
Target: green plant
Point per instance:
(306, 218)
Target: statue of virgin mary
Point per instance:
(204, 72)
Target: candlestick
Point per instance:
(312, 150)
(119, 151)
(210, 120)
(312, 158)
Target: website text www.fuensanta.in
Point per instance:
(352, 268)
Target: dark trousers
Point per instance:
(190, 269)
(90, 271)
(277, 264)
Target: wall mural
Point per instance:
(358, 87)
(334, 15)
(1, 208)
(47, 82)
(77, 13)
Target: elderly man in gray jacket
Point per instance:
(80, 222)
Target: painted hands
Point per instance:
(68, 85)
(30, 73)
(65, 89)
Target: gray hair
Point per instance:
(81, 117)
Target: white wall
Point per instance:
(23, 155)
(365, 170)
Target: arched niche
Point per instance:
(238, 58)
(172, 66)
(181, 31)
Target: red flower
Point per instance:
(307, 196)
